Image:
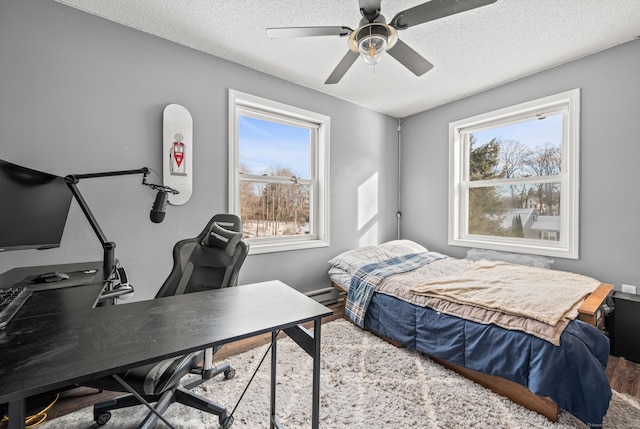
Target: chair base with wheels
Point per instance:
(102, 411)
(181, 394)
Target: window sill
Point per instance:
(260, 248)
(551, 249)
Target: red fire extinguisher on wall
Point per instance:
(178, 154)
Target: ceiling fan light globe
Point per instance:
(372, 47)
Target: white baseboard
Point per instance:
(324, 296)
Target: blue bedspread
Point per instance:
(573, 374)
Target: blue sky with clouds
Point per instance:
(532, 134)
(266, 145)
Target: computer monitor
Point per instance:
(33, 208)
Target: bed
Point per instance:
(540, 359)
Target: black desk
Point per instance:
(80, 291)
(80, 273)
(53, 351)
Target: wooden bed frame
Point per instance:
(588, 312)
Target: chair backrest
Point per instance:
(212, 260)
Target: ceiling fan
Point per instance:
(374, 36)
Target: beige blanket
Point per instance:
(548, 296)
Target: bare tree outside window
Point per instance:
(512, 186)
(274, 209)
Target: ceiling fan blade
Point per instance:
(343, 66)
(433, 10)
(281, 32)
(410, 58)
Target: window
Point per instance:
(278, 173)
(513, 182)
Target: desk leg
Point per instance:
(274, 419)
(310, 343)
(17, 413)
(315, 411)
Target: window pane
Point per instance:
(274, 209)
(273, 149)
(522, 149)
(529, 211)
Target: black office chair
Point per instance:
(211, 260)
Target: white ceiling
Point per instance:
(471, 51)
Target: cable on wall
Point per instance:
(399, 213)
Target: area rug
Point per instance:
(365, 383)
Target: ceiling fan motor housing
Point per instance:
(373, 29)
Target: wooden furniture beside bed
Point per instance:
(588, 312)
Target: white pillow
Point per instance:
(351, 260)
(403, 247)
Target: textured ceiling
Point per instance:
(471, 51)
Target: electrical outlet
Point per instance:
(628, 289)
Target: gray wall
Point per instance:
(609, 152)
(80, 94)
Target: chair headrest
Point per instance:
(228, 221)
(222, 238)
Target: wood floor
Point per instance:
(624, 375)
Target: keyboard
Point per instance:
(11, 300)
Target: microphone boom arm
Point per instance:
(109, 261)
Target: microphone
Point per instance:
(159, 206)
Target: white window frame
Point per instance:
(567, 247)
(242, 104)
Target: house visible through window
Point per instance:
(514, 178)
(278, 173)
